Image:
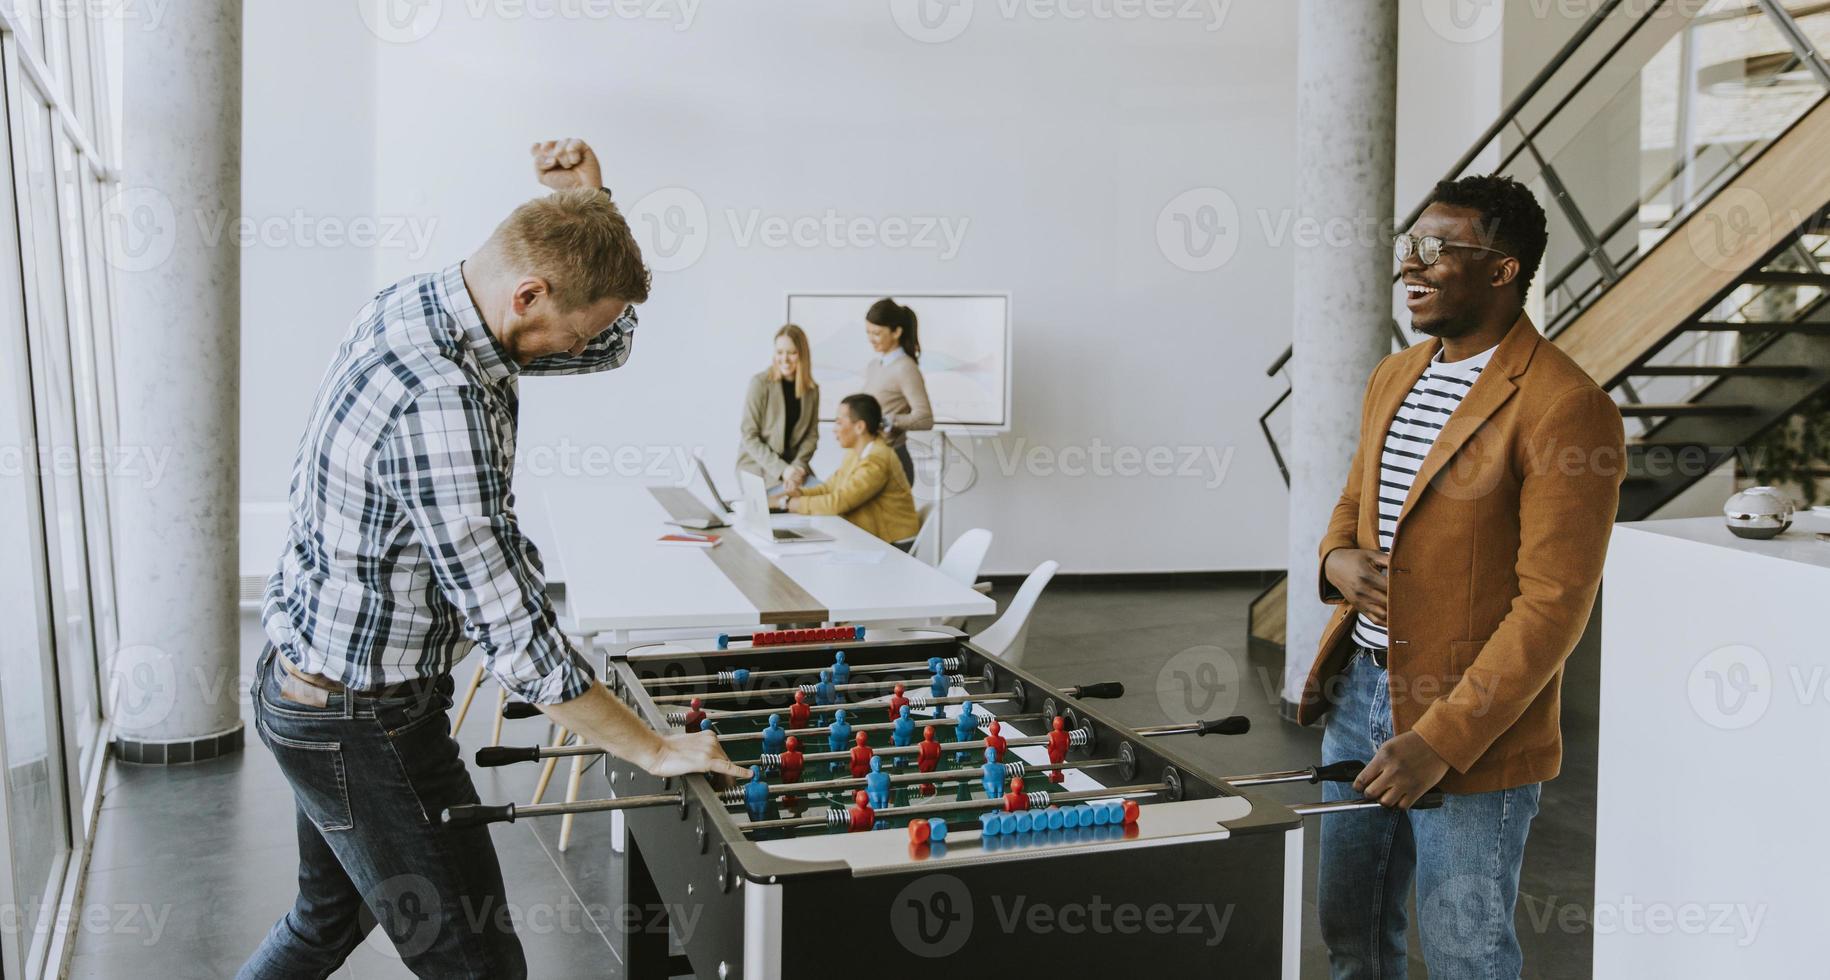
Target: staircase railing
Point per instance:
(1728, 76)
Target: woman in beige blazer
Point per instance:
(893, 377)
(781, 412)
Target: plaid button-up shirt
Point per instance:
(403, 549)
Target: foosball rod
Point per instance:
(1339, 772)
(1037, 800)
(852, 687)
(951, 664)
(1078, 738)
(1428, 801)
(473, 814)
(988, 697)
(880, 726)
(1012, 770)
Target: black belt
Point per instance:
(1376, 653)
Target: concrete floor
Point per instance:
(207, 850)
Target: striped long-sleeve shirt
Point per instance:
(1416, 425)
(403, 550)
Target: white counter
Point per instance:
(1712, 855)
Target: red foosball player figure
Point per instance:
(798, 712)
(862, 816)
(792, 761)
(1057, 747)
(897, 700)
(995, 741)
(927, 756)
(695, 713)
(1016, 799)
(861, 756)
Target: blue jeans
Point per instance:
(371, 778)
(1464, 855)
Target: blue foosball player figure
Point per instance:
(992, 777)
(774, 737)
(903, 734)
(877, 784)
(838, 736)
(841, 671)
(756, 794)
(938, 685)
(824, 692)
(967, 729)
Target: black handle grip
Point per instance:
(1235, 725)
(507, 755)
(1105, 691)
(1340, 772)
(1428, 801)
(477, 814)
(519, 709)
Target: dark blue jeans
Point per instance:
(371, 778)
(1465, 857)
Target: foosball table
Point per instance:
(919, 804)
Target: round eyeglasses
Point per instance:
(1429, 248)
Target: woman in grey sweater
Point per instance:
(781, 415)
(893, 377)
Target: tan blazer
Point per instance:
(1495, 561)
(902, 393)
(869, 490)
(761, 449)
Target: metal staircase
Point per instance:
(1699, 295)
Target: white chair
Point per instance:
(1004, 639)
(962, 563)
(922, 540)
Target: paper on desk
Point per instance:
(855, 556)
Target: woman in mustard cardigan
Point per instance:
(868, 489)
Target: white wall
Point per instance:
(1055, 143)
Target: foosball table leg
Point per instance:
(546, 771)
(572, 781)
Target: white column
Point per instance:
(1346, 107)
(175, 690)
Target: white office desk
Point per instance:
(600, 541)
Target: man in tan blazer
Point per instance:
(868, 489)
(1465, 553)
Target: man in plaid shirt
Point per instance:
(404, 553)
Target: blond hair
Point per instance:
(803, 372)
(578, 241)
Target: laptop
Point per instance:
(711, 518)
(755, 519)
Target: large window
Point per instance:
(57, 440)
